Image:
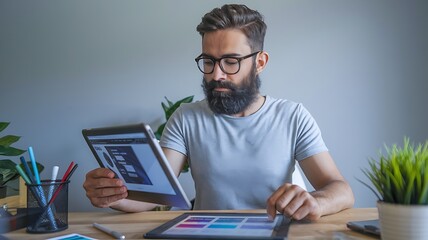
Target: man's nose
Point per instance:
(218, 74)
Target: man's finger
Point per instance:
(292, 206)
(100, 173)
(271, 206)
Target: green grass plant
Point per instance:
(401, 175)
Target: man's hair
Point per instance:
(234, 16)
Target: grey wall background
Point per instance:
(360, 67)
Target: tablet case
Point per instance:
(124, 150)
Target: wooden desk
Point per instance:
(134, 225)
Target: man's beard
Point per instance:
(237, 99)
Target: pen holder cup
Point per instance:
(47, 206)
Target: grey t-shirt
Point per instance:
(238, 162)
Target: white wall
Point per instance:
(360, 67)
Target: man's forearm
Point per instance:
(334, 197)
(126, 205)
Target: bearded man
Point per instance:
(241, 146)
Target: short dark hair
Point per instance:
(249, 21)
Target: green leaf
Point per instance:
(3, 125)
(177, 104)
(423, 198)
(6, 141)
(165, 108)
(7, 171)
(418, 183)
(159, 131)
(171, 110)
(372, 189)
(388, 193)
(409, 188)
(188, 99)
(185, 167)
(169, 102)
(10, 151)
(7, 164)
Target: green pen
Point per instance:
(22, 173)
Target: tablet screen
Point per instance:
(222, 225)
(130, 156)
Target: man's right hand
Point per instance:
(102, 189)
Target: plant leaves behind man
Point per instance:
(169, 108)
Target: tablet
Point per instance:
(202, 225)
(371, 227)
(133, 153)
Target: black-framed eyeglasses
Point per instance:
(229, 65)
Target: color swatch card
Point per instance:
(73, 236)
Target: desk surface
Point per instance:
(134, 225)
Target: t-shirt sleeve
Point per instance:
(309, 140)
(173, 135)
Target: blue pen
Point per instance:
(33, 163)
(27, 170)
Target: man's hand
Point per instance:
(102, 189)
(294, 202)
(332, 193)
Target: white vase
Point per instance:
(400, 222)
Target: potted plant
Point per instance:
(8, 171)
(400, 180)
(169, 108)
(7, 166)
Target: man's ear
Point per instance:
(262, 60)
